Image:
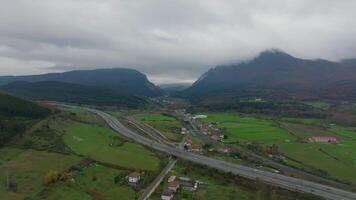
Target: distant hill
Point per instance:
(73, 93)
(16, 115)
(275, 74)
(117, 79)
(174, 86)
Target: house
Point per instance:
(195, 149)
(323, 139)
(167, 195)
(184, 131)
(224, 150)
(173, 186)
(134, 178)
(171, 178)
(215, 136)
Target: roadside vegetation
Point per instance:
(72, 154)
(223, 186)
(166, 124)
(102, 144)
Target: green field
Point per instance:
(102, 144)
(319, 104)
(336, 159)
(249, 128)
(85, 186)
(348, 133)
(305, 121)
(169, 126)
(27, 169)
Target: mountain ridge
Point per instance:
(276, 71)
(118, 79)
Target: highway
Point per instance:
(279, 180)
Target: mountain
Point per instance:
(16, 115)
(273, 74)
(175, 86)
(70, 92)
(117, 79)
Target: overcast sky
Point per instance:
(171, 41)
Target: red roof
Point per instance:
(173, 184)
(134, 174)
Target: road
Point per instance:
(279, 180)
(152, 187)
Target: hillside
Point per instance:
(275, 74)
(73, 93)
(16, 115)
(117, 79)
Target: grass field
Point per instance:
(169, 126)
(346, 132)
(336, 159)
(305, 121)
(27, 169)
(319, 104)
(86, 187)
(249, 128)
(102, 144)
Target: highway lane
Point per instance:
(274, 179)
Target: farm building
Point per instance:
(171, 178)
(167, 195)
(323, 139)
(199, 117)
(173, 186)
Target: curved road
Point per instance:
(282, 181)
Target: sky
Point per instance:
(171, 41)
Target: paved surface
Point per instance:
(152, 187)
(274, 179)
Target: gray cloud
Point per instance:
(171, 41)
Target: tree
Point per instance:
(51, 177)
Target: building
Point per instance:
(134, 178)
(189, 186)
(171, 178)
(184, 178)
(199, 117)
(323, 139)
(224, 150)
(215, 136)
(184, 131)
(173, 186)
(167, 195)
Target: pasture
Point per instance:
(103, 144)
(319, 104)
(249, 128)
(338, 160)
(27, 168)
(94, 182)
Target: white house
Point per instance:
(134, 178)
